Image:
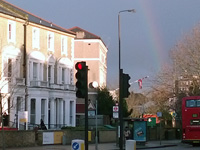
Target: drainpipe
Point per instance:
(25, 64)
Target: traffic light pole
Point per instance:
(121, 112)
(86, 112)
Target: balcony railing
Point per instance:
(69, 87)
(38, 83)
(12, 81)
(62, 86)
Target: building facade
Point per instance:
(90, 48)
(37, 61)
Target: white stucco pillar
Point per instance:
(31, 70)
(52, 74)
(38, 110)
(57, 111)
(28, 108)
(52, 112)
(46, 111)
(67, 110)
(73, 107)
(61, 112)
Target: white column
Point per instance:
(52, 112)
(58, 75)
(52, 73)
(67, 112)
(38, 71)
(38, 110)
(58, 111)
(28, 108)
(61, 112)
(73, 113)
(31, 70)
(42, 71)
(46, 111)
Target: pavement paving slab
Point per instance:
(103, 146)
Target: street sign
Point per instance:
(75, 146)
(159, 114)
(115, 109)
(115, 115)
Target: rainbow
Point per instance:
(152, 29)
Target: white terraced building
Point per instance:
(37, 60)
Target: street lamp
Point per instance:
(120, 92)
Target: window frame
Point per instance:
(35, 38)
(64, 45)
(50, 41)
(11, 31)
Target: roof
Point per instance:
(12, 10)
(87, 35)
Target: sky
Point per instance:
(147, 36)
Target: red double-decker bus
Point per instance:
(191, 119)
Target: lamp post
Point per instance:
(120, 91)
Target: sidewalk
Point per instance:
(104, 146)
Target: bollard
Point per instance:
(78, 145)
(89, 136)
(130, 145)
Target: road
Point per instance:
(180, 146)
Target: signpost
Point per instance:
(23, 118)
(115, 112)
(159, 114)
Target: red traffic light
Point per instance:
(80, 65)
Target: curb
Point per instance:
(150, 147)
(161, 146)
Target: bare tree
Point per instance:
(8, 88)
(185, 61)
(186, 54)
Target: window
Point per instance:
(9, 67)
(49, 73)
(36, 38)
(193, 103)
(50, 41)
(19, 104)
(11, 31)
(35, 71)
(43, 109)
(63, 75)
(64, 45)
(71, 112)
(32, 119)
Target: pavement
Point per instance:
(104, 146)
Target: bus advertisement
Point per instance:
(191, 120)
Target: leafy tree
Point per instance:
(126, 112)
(105, 102)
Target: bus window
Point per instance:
(190, 103)
(198, 103)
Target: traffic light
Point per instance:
(125, 85)
(81, 77)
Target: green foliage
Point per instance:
(105, 102)
(165, 113)
(126, 113)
